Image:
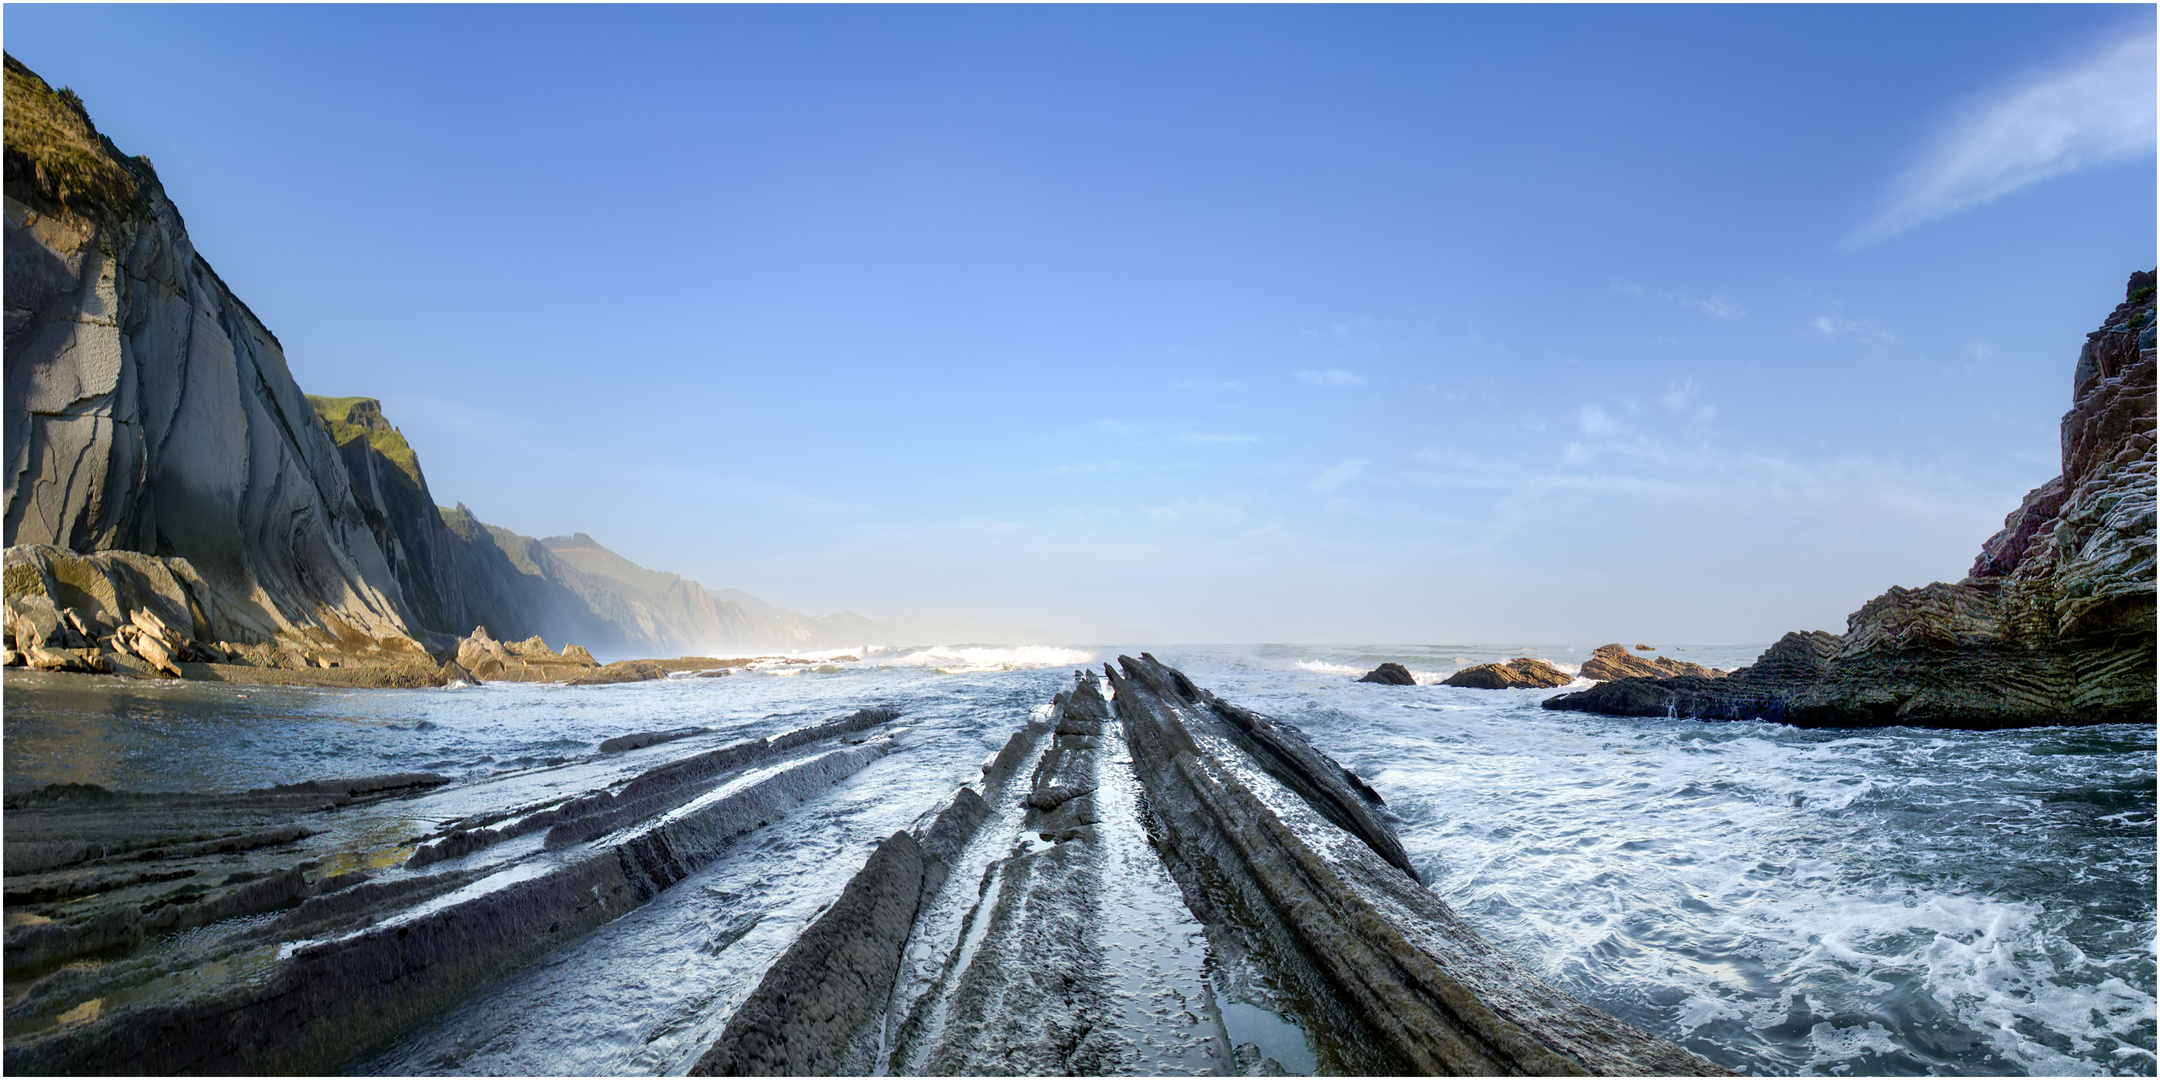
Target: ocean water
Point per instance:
(1783, 902)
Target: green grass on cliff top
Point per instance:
(350, 418)
(76, 167)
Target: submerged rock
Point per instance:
(2055, 624)
(1390, 674)
(1523, 671)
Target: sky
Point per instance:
(1211, 324)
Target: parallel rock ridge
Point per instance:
(2054, 625)
(311, 944)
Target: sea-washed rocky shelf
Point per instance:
(1145, 879)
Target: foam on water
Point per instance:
(1778, 900)
(970, 659)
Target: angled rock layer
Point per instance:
(2055, 624)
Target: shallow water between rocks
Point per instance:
(1781, 901)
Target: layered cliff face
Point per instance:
(2054, 625)
(456, 572)
(149, 411)
(158, 446)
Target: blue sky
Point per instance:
(1426, 324)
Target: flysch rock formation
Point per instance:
(1145, 880)
(321, 928)
(1276, 854)
(1519, 673)
(157, 441)
(2054, 624)
(1614, 661)
(148, 411)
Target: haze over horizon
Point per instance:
(1233, 324)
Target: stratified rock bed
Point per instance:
(2053, 625)
(1519, 673)
(328, 928)
(1030, 923)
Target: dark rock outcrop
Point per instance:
(816, 1012)
(1390, 674)
(297, 963)
(148, 411)
(1614, 661)
(1422, 993)
(833, 980)
(2055, 625)
(1519, 673)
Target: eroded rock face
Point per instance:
(126, 613)
(1521, 672)
(1614, 661)
(2055, 624)
(149, 411)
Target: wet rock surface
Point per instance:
(2054, 625)
(1144, 879)
(1614, 661)
(1390, 674)
(1515, 674)
(1411, 988)
(294, 929)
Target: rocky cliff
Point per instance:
(148, 411)
(458, 572)
(161, 459)
(2054, 624)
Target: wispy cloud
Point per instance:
(1205, 439)
(1867, 332)
(1338, 476)
(1598, 424)
(1680, 399)
(2096, 113)
(1331, 377)
(1717, 307)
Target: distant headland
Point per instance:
(177, 505)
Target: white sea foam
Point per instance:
(967, 659)
(1326, 668)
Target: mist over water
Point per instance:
(1781, 901)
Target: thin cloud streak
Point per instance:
(1331, 377)
(2098, 113)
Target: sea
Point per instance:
(1892, 901)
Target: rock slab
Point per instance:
(1519, 673)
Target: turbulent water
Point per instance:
(1780, 901)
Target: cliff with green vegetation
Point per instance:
(148, 412)
(174, 499)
